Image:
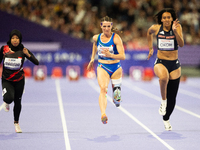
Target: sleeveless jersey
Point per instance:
(109, 45)
(166, 41)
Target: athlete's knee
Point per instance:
(8, 98)
(17, 105)
(103, 89)
(164, 79)
(116, 85)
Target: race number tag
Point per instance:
(165, 44)
(100, 49)
(12, 63)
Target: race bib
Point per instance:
(100, 49)
(12, 63)
(165, 44)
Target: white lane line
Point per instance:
(94, 86)
(67, 144)
(191, 94)
(1, 107)
(148, 94)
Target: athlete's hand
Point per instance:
(90, 65)
(106, 53)
(25, 51)
(150, 53)
(175, 25)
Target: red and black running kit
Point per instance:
(13, 60)
(13, 75)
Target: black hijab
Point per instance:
(20, 46)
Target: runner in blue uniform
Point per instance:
(110, 51)
(167, 66)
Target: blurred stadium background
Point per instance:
(59, 33)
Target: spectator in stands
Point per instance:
(77, 12)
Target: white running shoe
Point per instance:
(17, 128)
(162, 109)
(168, 126)
(6, 107)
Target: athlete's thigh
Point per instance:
(8, 90)
(117, 74)
(161, 71)
(103, 77)
(19, 88)
(175, 74)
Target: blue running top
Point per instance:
(110, 45)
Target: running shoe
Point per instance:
(162, 109)
(17, 128)
(116, 102)
(104, 119)
(167, 125)
(6, 107)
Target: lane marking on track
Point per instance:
(95, 87)
(148, 94)
(191, 94)
(67, 144)
(1, 107)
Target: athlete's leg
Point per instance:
(8, 94)
(163, 75)
(19, 88)
(172, 90)
(116, 80)
(7, 91)
(103, 79)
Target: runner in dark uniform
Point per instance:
(13, 55)
(167, 66)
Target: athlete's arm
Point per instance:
(176, 27)
(152, 30)
(120, 49)
(94, 51)
(30, 56)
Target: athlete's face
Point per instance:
(106, 27)
(166, 19)
(15, 40)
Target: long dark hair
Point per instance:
(158, 16)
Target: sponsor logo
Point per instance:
(162, 32)
(162, 36)
(170, 37)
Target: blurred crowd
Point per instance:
(131, 18)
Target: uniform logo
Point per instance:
(162, 32)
